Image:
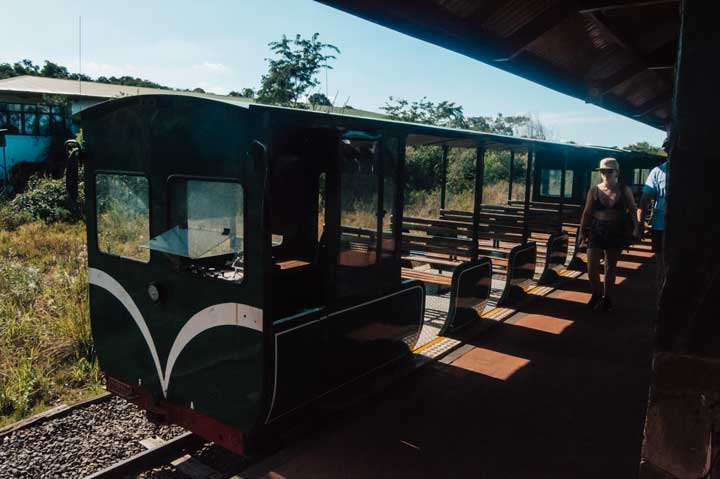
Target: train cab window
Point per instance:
(358, 201)
(550, 183)
(206, 223)
(122, 215)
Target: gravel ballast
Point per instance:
(80, 443)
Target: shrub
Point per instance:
(19, 283)
(10, 218)
(46, 200)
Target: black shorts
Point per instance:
(607, 235)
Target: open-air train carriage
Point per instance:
(245, 260)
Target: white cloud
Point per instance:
(211, 67)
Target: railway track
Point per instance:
(107, 437)
(77, 440)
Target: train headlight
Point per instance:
(154, 292)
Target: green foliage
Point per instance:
(292, 72)
(244, 93)
(318, 99)
(445, 113)
(46, 200)
(423, 168)
(54, 70)
(450, 115)
(46, 350)
(19, 284)
(645, 147)
(130, 81)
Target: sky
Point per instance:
(223, 45)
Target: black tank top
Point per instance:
(618, 206)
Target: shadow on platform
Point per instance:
(556, 392)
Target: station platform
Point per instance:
(554, 391)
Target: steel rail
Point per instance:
(151, 458)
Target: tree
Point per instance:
(292, 72)
(131, 81)
(318, 99)
(26, 67)
(445, 113)
(450, 115)
(645, 147)
(198, 90)
(6, 71)
(53, 70)
(244, 93)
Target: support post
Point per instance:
(683, 417)
(478, 197)
(562, 192)
(443, 175)
(526, 206)
(512, 164)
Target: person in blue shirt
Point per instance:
(655, 189)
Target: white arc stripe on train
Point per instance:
(223, 314)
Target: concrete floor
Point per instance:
(554, 392)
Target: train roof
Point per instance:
(420, 134)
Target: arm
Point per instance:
(586, 215)
(648, 195)
(632, 207)
(645, 200)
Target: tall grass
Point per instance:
(46, 353)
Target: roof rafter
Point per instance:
(653, 104)
(661, 58)
(592, 6)
(538, 26)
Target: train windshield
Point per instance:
(206, 219)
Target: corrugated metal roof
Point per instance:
(56, 86)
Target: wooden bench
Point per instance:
(507, 222)
(511, 258)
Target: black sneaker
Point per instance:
(594, 300)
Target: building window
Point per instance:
(33, 120)
(550, 183)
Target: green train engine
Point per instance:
(244, 260)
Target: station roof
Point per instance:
(617, 54)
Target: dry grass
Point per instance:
(46, 351)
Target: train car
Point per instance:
(245, 260)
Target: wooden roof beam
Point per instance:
(591, 6)
(652, 105)
(537, 27)
(661, 58)
(611, 32)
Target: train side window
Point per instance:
(358, 203)
(550, 183)
(122, 215)
(640, 175)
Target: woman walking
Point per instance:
(609, 226)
